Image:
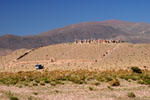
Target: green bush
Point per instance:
(35, 93)
(141, 82)
(20, 86)
(35, 84)
(96, 83)
(30, 98)
(59, 82)
(46, 81)
(101, 79)
(109, 78)
(56, 91)
(134, 78)
(91, 88)
(13, 98)
(147, 81)
(53, 83)
(43, 84)
(131, 95)
(37, 81)
(136, 69)
(26, 84)
(109, 87)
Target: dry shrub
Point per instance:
(91, 88)
(114, 82)
(55, 77)
(136, 69)
(131, 95)
(109, 87)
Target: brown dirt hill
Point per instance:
(69, 51)
(73, 56)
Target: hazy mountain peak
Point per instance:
(9, 36)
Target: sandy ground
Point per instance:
(71, 91)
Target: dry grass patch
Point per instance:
(35, 78)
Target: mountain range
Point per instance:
(111, 29)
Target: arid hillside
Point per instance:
(79, 55)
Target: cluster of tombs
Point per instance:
(98, 41)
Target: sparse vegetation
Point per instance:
(35, 84)
(95, 83)
(42, 84)
(35, 78)
(109, 87)
(92, 80)
(30, 98)
(35, 93)
(114, 82)
(136, 69)
(131, 95)
(11, 96)
(91, 88)
(56, 91)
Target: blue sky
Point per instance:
(30, 17)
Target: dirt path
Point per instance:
(108, 52)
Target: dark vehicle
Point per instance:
(38, 66)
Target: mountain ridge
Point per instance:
(110, 29)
